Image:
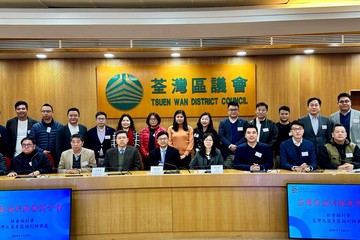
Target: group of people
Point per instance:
(309, 143)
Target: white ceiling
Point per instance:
(86, 22)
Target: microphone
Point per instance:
(169, 171)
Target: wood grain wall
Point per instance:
(281, 80)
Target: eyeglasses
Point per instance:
(100, 118)
(297, 129)
(162, 139)
(233, 109)
(344, 101)
(26, 145)
(208, 140)
(153, 119)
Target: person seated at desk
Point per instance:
(297, 154)
(77, 159)
(164, 155)
(340, 153)
(207, 155)
(29, 161)
(3, 168)
(253, 155)
(123, 157)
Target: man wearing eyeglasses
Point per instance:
(29, 161)
(348, 117)
(298, 154)
(231, 133)
(164, 155)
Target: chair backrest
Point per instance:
(8, 162)
(51, 159)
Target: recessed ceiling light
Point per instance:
(41, 56)
(175, 54)
(109, 55)
(309, 51)
(242, 53)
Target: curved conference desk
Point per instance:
(141, 206)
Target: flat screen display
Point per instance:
(323, 211)
(35, 214)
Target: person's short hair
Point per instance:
(100, 113)
(338, 125)
(233, 103)
(296, 122)
(48, 105)
(262, 104)
(344, 94)
(120, 132)
(28, 138)
(312, 99)
(251, 126)
(155, 115)
(77, 135)
(284, 108)
(18, 103)
(73, 109)
(162, 133)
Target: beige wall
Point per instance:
(281, 80)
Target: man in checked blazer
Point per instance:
(123, 157)
(77, 159)
(171, 158)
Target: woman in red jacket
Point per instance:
(148, 136)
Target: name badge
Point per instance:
(48, 129)
(196, 135)
(304, 154)
(84, 163)
(218, 169)
(265, 129)
(98, 171)
(240, 129)
(107, 137)
(258, 154)
(28, 131)
(349, 155)
(290, 134)
(156, 170)
(324, 126)
(356, 120)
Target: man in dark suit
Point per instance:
(19, 127)
(164, 155)
(231, 133)
(63, 136)
(123, 157)
(317, 127)
(99, 138)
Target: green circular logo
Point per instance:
(124, 91)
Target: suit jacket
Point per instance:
(131, 159)
(354, 124)
(323, 135)
(93, 142)
(172, 156)
(5, 145)
(87, 160)
(12, 125)
(268, 131)
(38, 160)
(225, 134)
(201, 162)
(289, 156)
(63, 136)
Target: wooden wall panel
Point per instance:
(281, 80)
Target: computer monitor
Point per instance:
(35, 214)
(323, 211)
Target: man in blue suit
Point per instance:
(297, 154)
(231, 133)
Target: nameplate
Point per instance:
(98, 171)
(156, 170)
(217, 169)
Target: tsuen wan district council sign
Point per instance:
(141, 89)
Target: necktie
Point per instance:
(163, 152)
(122, 151)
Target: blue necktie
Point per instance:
(163, 152)
(122, 151)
